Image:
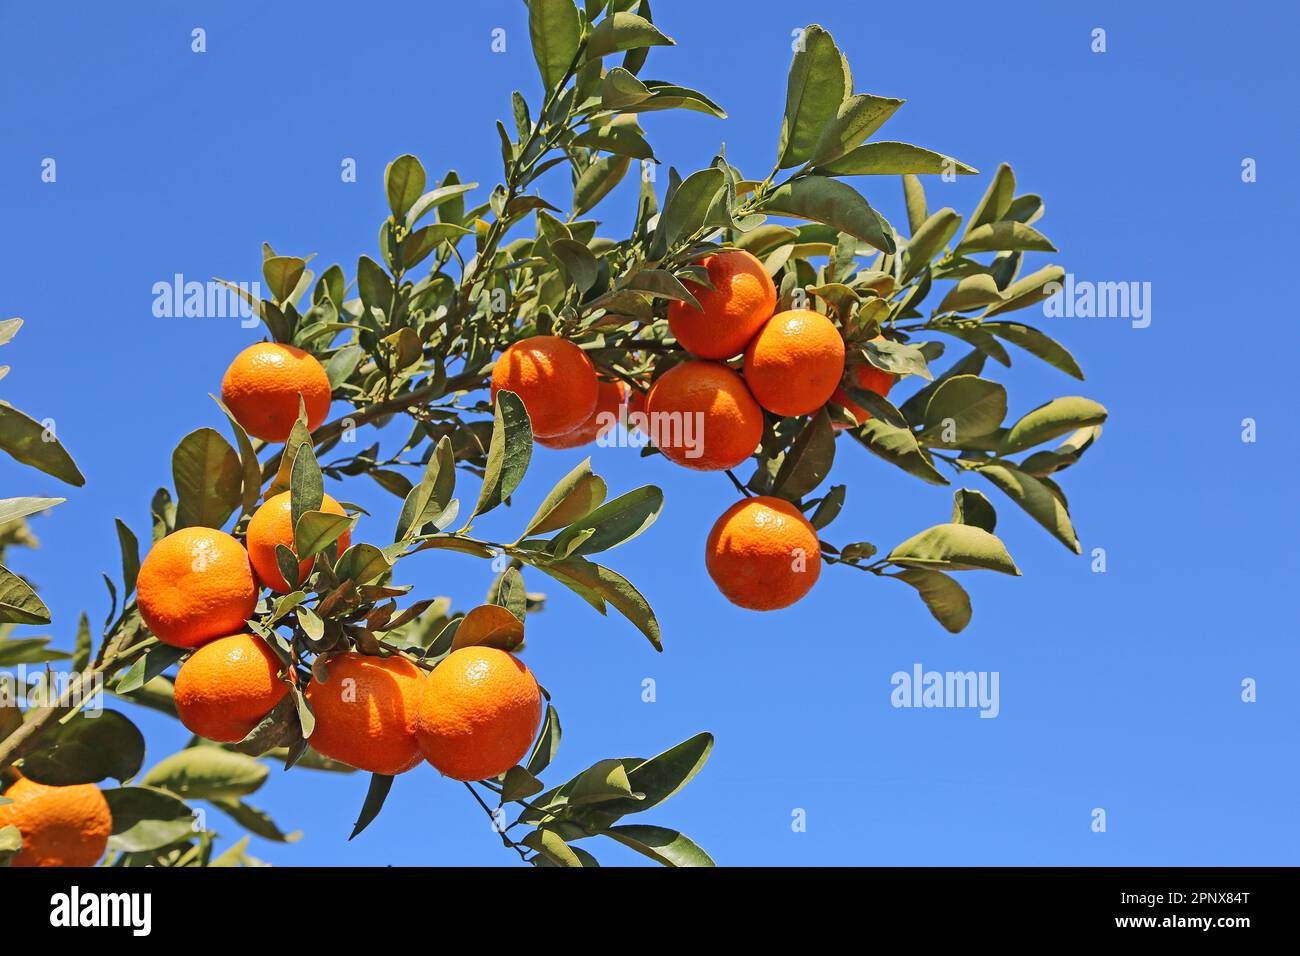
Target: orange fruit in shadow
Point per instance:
(609, 402)
(702, 415)
(61, 826)
(272, 524)
(869, 378)
(741, 300)
(262, 385)
(194, 585)
(553, 377)
(478, 714)
(763, 554)
(226, 687)
(365, 712)
(795, 362)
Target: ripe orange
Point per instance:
(478, 713)
(741, 300)
(365, 712)
(226, 687)
(194, 585)
(794, 363)
(272, 524)
(702, 415)
(869, 378)
(61, 826)
(262, 386)
(609, 402)
(553, 377)
(763, 554)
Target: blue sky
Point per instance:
(1119, 690)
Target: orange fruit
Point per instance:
(763, 554)
(741, 300)
(795, 362)
(365, 712)
(226, 687)
(609, 403)
(194, 585)
(869, 378)
(61, 826)
(702, 415)
(478, 713)
(272, 524)
(262, 386)
(553, 377)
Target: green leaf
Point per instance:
(18, 602)
(508, 454)
(449, 194)
(689, 207)
(660, 844)
(574, 497)
(596, 181)
(489, 625)
(148, 666)
(29, 650)
(426, 501)
(971, 293)
(996, 200)
(1037, 497)
(251, 467)
(11, 509)
(552, 846)
(809, 459)
(834, 203)
(8, 329)
(1043, 463)
(947, 600)
(519, 784)
(1036, 343)
(376, 794)
(661, 285)
(857, 117)
(898, 446)
(828, 508)
(146, 819)
(896, 357)
(404, 180)
(282, 274)
(306, 485)
(893, 159)
(362, 564)
(1005, 237)
(611, 524)
(620, 89)
(87, 749)
(207, 773)
(34, 443)
(209, 480)
(665, 774)
(316, 531)
(962, 408)
(973, 508)
(954, 547)
(1028, 291)
(816, 86)
(579, 263)
(548, 742)
(1057, 417)
(623, 31)
(555, 30)
(255, 821)
(598, 585)
(928, 240)
(620, 138)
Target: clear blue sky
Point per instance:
(1118, 690)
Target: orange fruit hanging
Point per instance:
(763, 554)
(365, 712)
(478, 713)
(741, 300)
(225, 688)
(868, 378)
(554, 379)
(702, 415)
(609, 403)
(271, 525)
(194, 585)
(262, 385)
(795, 362)
(61, 826)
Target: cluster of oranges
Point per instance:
(706, 413)
(472, 717)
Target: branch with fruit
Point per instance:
(712, 334)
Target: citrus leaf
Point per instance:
(1036, 343)
(856, 118)
(965, 406)
(18, 602)
(87, 749)
(834, 203)
(893, 159)
(954, 547)
(613, 523)
(376, 794)
(209, 480)
(623, 31)
(1051, 420)
(146, 819)
(973, 508)
(34, 443)
(947, 600)
(206, 773)
(404, 180)
(597, 585)
(660, 844)
(1037, 497)
(897, 446)
(815, 88)
(508, 454)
